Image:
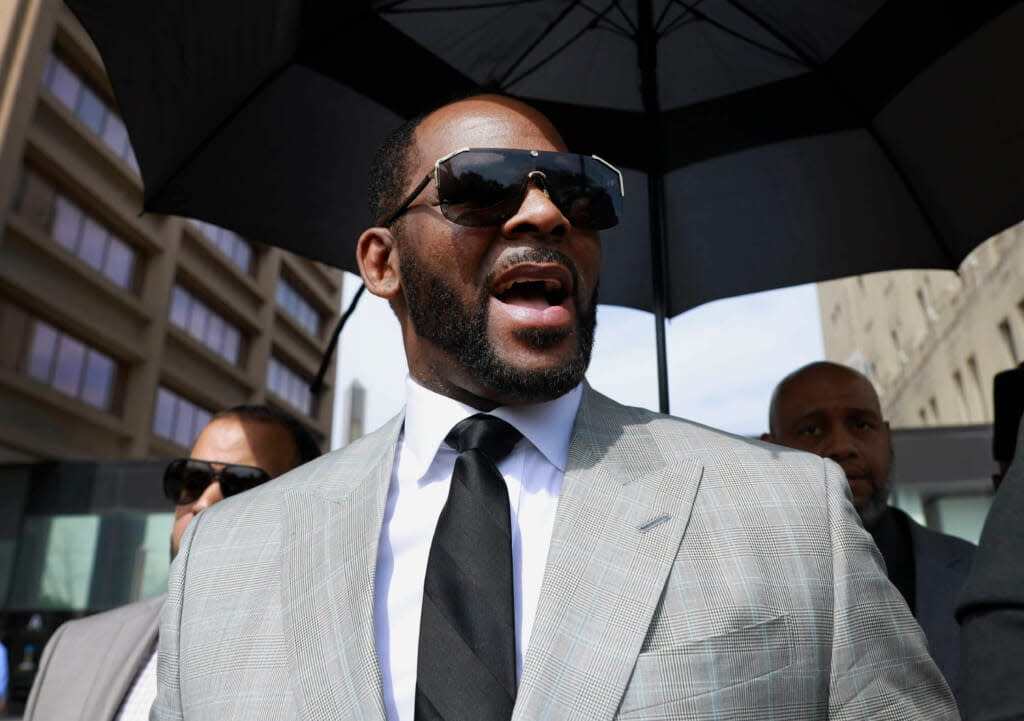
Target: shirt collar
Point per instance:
(429, 416)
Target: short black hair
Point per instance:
(306, 446)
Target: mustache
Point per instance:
(535, 255)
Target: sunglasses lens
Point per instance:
(587, 191)
(485, 187)
(481, 188)
(235, 479)
(186, 479)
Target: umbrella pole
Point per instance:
(647, 47)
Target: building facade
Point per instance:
(123, 332)
(932, 340)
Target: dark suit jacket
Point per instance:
(991, 607)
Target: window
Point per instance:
(76, 95)
(75, 230)
(298, 308)
(177, 419)
(70, 366)
(209, 328)
(290, 386)
(979, 389)
(237, 249)
(1006, 333)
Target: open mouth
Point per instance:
(532, 286)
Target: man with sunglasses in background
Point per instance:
(103, 667)
(513, 541)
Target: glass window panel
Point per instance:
(99, 379)
(202, 418)
(163, 416)
(70, 361)
(51, 65)
(67, 222)
(69, 561)
(114, 134)
(184, 422)
(197, 318)
(36, 200)
(232, 343)
(91, 110)
(120, 262)
(156, 559)
(179, 306)
(94, 243)
(42, 351)
(242, 255)
(214, 336)
(65, 84)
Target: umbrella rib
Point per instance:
(775, 33)
(509, 80)
(735, 33)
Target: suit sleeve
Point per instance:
(991, 607)
(168, 705)
(880, 665)
(39, 688)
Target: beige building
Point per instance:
(121, 333)
(932, 340)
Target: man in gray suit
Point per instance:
(103, 667)
(833, 410)
(651, 568)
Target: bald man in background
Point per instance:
(833, 410)
(103, 667)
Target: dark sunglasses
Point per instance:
(484, 187)
(185, 479)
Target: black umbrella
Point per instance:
(765, 143)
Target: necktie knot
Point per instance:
(488, 434)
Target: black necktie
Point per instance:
(466, 669)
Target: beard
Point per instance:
(460, 330)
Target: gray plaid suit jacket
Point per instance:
(692, 574)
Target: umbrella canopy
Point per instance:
(764, 143)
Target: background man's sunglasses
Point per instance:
(484, 187)
(185, 479)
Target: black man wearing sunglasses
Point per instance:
(515, 542)
(102, 668)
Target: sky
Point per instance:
(724, 357)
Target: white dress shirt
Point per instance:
(419, 488)
(142, 694)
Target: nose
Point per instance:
(209, 496)
(537, 213)
(838, 445)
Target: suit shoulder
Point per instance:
(677, 437)
(106, 623)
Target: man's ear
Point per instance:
(377, 256)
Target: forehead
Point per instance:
(828, 390)
(484, 122)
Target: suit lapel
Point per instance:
(136, 638)
(329, 555)
(621, 517)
